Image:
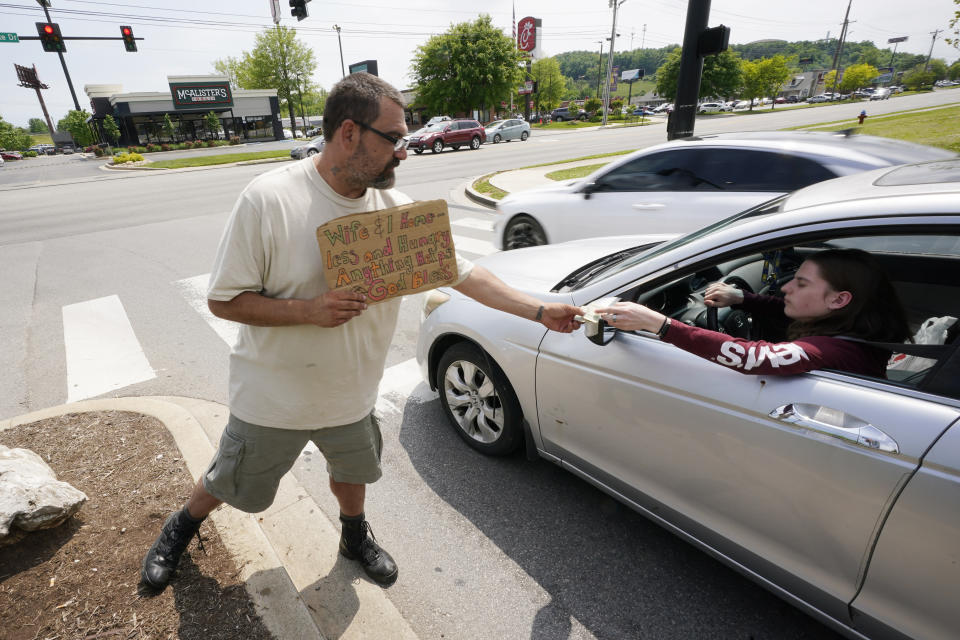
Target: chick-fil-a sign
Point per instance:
(527, 34)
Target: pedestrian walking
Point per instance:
(308, 360)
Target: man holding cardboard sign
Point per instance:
(309, 356)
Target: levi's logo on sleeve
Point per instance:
(777, 355)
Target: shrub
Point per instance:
(151, 148)
(29, 154)
(234, 139)
(123, 158)
(97, 151)
(211, 143)
(165, 147)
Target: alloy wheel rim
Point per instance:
(473, 401)
(524, 234)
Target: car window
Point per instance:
(753, 170)
(673, 170)
(920, 266)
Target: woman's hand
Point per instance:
(721, 294)
(631, 316)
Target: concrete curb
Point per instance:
(478, 197)
(111, 167)
(288, 554)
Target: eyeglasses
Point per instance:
(399, 144)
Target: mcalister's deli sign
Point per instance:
(197, 95)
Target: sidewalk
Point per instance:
(288, 554)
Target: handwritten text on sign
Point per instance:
(389, 253)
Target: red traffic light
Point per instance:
(48, 28)
(127, 31)
(129, 41)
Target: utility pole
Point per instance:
(29, 80)
(926, 65)
(46, 4)
(343, 73)
(615, 4)
(643, 38)
(839, 50)
(599, 64)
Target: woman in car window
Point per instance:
(834, 293)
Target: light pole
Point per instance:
(343, 73)
(614, 4)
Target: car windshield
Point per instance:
(436, 126)
(627, 261)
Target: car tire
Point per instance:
(583, 118)
(523, 231)
(524, 136)
(497, 139)
(418, 151)
(437, 146)
(479, 401)
(558, 119)
(475, 143)
(312, 152)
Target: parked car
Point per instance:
(819, 98)
(512, 129)
(453, 134)
(793, 99)
(880, 94)
(711, 107)
(438, 120)
(666, 107)
(10, 155)
(312, 148)
(684, 184)
(643, 111)
(567, 113)
(2, 161)
(835, 491)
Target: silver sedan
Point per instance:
(312, 148)
(839, 493)
(500, 130)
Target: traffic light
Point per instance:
(299, 9)
(128, 40)
(50, 37)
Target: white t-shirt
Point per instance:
(302, 376)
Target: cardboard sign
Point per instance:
(391, 252)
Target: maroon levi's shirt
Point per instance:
(777, 358)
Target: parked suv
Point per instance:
(565, 113)
(454, 134)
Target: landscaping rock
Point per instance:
(31, 497)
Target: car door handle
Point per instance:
(837, 424)
(652, 205)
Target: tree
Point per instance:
(37, 125)
(593, 105)
(76, 123)
(954, 71)
(857, 76)
(212, 120)
(722, 75)
(551, 85)
(917, 78)
(168, 128)
(955, 25)
(472, 65)
(14, 138)
(276, 61)
(616, 106)
(939, 69)
(110, 128)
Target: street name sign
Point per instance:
(9, 37)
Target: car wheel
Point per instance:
(437, 146)
(583, 118)
(418, 151)
(558, 119)
(475, 142)
(497, 139)
(524, 136)
(523, 231)
(479, 400)
(312, 152)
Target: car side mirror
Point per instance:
(590, 188)
(447, 128)
(599, 333)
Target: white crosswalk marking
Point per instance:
(473, 223)
(472, 245)
(102, 351)
(194, 290)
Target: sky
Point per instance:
(184, 37)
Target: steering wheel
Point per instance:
(736, 322)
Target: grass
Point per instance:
(225, 158)
(484, 186)
(41, 138)
(936, 127)
(575, 172)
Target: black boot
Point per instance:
(356, 544)
(163, 556)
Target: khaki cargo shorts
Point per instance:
(250, 461)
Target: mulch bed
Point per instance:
(81, 579)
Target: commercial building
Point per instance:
(250, 114)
